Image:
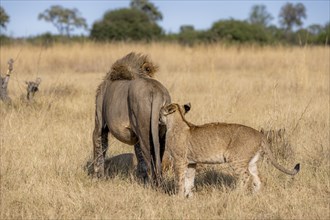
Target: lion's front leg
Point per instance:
(189, 180)
(178, 151)
(179, 181)
(180, 167)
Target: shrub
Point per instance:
(125, 24)
(239, 31)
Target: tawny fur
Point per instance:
(127, 105)
(213, 143)
(277, 139)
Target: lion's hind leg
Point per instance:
(104, 140)
(254, 172)
(142, 167)
(240, 170)
(100, 141)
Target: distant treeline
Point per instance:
(225, 31)
(139, 23)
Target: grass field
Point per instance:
(46, 144)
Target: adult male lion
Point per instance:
(128, 102)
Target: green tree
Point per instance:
(125, 24)
(4, 18)
(291, 15)
(277, 34)
(186, 28)
(302, 37)
(239, 31)
(148, 8)
(188, 35)
(260, 16)
(65, 20)
(324, 36)
(315, 29)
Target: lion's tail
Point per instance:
(265, 147)
(155, 109)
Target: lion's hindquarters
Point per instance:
(146, 97)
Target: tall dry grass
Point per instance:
(45, 145)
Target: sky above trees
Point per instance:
(201, 14)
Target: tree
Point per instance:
(327, 26)
(65, 20)
(260, 16)
(324, 36)
(4, 18)
(277, 34)
(188, 35)
(239, 31)
(292, 15)
(148, 8)
(186, 28)
(125, 24)
(315, 29)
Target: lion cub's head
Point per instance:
(169, 109)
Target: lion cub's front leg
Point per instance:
(178, 150)
(180, 166)
(189, 180)
(180, 171)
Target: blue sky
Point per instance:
(201, 14)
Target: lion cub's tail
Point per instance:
(266, 149)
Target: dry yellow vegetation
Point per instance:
(46, 144)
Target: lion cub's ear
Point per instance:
(171, 108)
(187, 107)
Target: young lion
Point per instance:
(213, 143)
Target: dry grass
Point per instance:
(45, 145)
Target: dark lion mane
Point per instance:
(131, 66)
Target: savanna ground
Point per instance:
(46, 145)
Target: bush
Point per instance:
(188, 36)
(48, 39)
(239, 31)
(4, 40)
(324, 36)
(125, 24)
